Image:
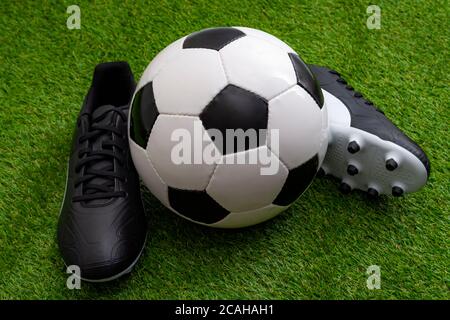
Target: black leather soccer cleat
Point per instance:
(366, 150)
(102, 226)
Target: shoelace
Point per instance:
(110, 150)
(356, 94)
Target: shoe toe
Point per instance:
(105, 255)
(107, 270)
(99, 263)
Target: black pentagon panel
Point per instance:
(143, 115)
(306, 79)
(297, 181)
(236, 108)
(213, 38)
(196, 205)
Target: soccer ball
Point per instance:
(206, 85)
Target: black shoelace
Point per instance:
(356, 94)
(110, 149)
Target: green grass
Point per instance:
(320, 247)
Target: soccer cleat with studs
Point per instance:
(366, 151)
(352, 170)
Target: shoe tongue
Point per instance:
(102, 111)
(106, 118)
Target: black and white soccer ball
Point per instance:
(228, 78)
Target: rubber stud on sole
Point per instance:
(372, 193)
(353, 147)
(352, 170)
(344, 188)
(391, 164)
(397, 191)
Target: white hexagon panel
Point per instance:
(178, 167)
(255, 184)
(188, 83)
(258, 66)
(299, 122)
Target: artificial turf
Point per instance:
(320, 247)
